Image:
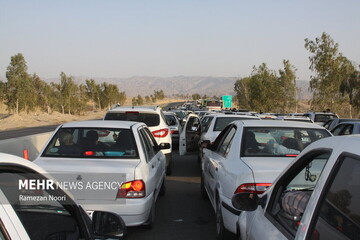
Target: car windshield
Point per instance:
(324, 117)
(150, 119)
(92, 143)
(222, 122)
(276, 141)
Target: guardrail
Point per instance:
(30, 145)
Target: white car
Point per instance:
(154, 118)
(247, 156)
(33, 211)
(320, 117)
(174, 125)
(316, 197)
(120, 158)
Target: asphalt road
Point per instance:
(181, 213)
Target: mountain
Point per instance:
(211, 86)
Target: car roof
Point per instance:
(349, 122)
(102, 124)
(348, 143)
(235, 116)
(12, 159)
(137, 109)
(262, 123)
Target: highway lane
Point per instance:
(181, 213)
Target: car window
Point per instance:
(347, 129)
(327, 124)
(44, 212)
(150, 119)
(338, 129)
(193, 122)
(339, 212)
(205, 123)
(222, 122)
(224, 146)
(324, 117)
(149, 150)
(93, 143)
(171, 120)
(290, 197)
(277, 141)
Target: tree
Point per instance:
(351, 87)
(242, 92)
(44, 94)
(65, 92)
(93, 92)
(196, 96)
(287, 84)
(330, 69)
(18, 87)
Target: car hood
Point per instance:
(267, 169)
(90, 179)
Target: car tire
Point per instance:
(221, 232)
(202, 189)
(149, 224)
(162, 188)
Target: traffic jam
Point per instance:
(265, 175)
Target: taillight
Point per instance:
(256, 188)
(174, 132)
(161, 133)
(89, 153)
(132, 189)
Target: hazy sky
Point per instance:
(124, 38)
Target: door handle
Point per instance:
(216, 169)
(152, 166)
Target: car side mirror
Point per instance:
(164, 146)
(245, 201)
(108, 225)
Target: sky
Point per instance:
(165, 38)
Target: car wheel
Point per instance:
(149, 224)
(202, 189)
(221, 232)
(162, 188)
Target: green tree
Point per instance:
(242, 92)
(18, 86)
(139, 100)
(351, 87)
(93, 92)
(65, 92)
(196, 96)
(330, 69)
(287, 85)
(44, 94)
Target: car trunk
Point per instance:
(267, 169)
(90, 179)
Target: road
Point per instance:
(181, 213)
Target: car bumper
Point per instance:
(230, 214)
(134, 212)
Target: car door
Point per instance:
(189, 137)
(153, 160)
(213, 160)
(337, 214)
(282, 215)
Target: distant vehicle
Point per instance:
(174, 125)
(346, 128)
(213, 105)
(180, 114)
(266, 116)
(120, 152)
(154, 118)
(53, 214)
(330, 124)
(247, 156)
(297, 119)
(320, 117)
(315, 197)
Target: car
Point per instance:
(248, 155)
(174, 125)
(121, 153)
(295, 118)
(181, 114)
(154, 118)
(315, 197)
(346, 128)
(33, 211)
(330, 124)
(320, 117)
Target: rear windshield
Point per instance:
(171, 120)
(150, 119)
(324, 117)
(92, 143)
(282, 142)
(222, 122)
